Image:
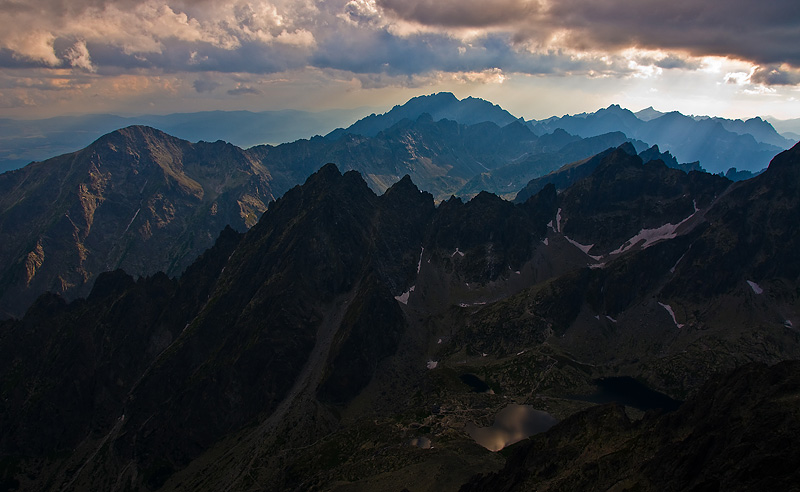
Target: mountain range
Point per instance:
(717, 143)
(144, 201)
(184, 193)
(24, 141)
(356, 341)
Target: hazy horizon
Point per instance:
(363, 111)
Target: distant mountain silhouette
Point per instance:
(648, 114)
(442, 105)
(25, 141)
(718, 144)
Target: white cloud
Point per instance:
(78, 56)
(403, 44)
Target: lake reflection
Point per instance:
(511, 424)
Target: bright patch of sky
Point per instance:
(536, 58)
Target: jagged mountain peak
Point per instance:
(328, 172)
(623, 156)
(648, 114)
(325, 187)
(484, 197)
(138, 135)
(628, 148)
(404, 186)
(431, 99)
(442, 105)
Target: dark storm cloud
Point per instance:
(461, 13)
(761, 32)
(776, 76)
(673, 61)
(9, 60)
(379, 52)
(205, 85)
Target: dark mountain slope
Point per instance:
(509, 179)
(87, 356)
(700, 283)
(569, 174)
(624, 196)
(752, 234)
(329, 346)
(224, 344)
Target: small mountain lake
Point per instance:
(629, 392)
(511, 424)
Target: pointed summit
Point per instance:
(648, 114)
(405, 185)
(628, 148)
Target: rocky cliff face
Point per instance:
(136, 199)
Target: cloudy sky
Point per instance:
(536, 58)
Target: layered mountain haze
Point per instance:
(24, 141)
(346, 341)
(718, 144)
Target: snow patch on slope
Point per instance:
(583, 247)
(651, 236)
(672, 270)
(671, 313)
(558, 220)
(404, 296)
(134, 218)
(756, 288)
